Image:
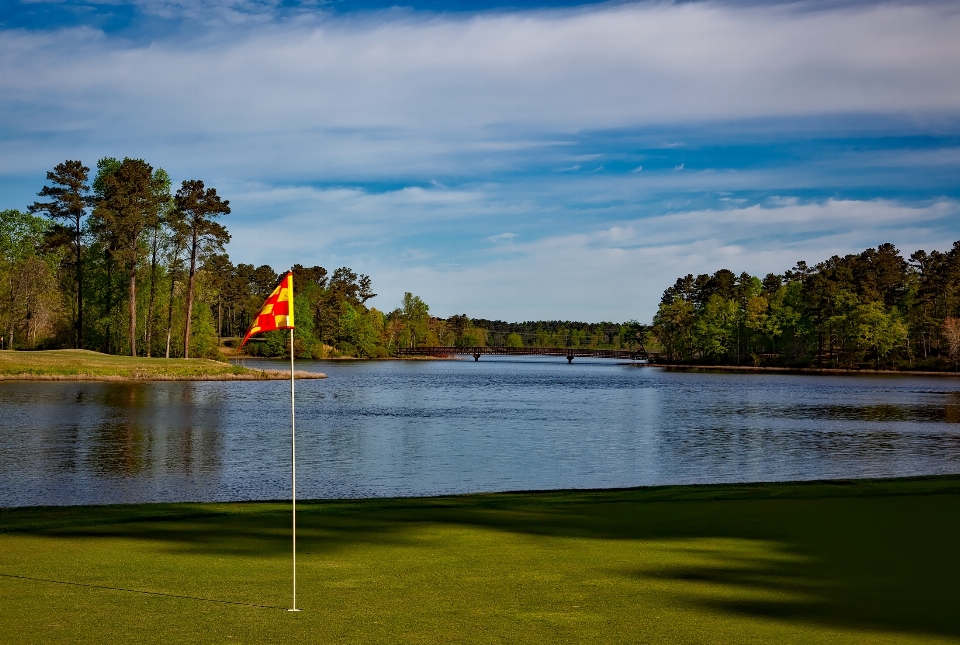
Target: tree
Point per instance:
(951, 333)
(634, 334)
(26, 281)
(415, 313)
(672, 326)
(514, 340)
(69, 201)
(125, 204)
(715, 326)
(879, 329)
(199, 207)
(176, 245)
(162, 202)
(220, 270)
(357, 330)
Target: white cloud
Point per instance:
(600, 271)
(434, 116)
(619, 273)
(391, 94)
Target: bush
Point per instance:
(346, 349)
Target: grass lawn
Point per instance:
(845, 562)
(80, 363)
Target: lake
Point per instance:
(402, 428)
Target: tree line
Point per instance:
(74, 264)
(564, 333)
(117, 262)
(870, 309)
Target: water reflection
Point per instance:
(400, 428)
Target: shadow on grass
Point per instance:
(877, 554)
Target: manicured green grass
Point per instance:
(80, 364)
(843, 562)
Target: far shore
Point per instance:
(792, 370)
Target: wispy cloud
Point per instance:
(501, 237)
(403, 92)
(553, 276)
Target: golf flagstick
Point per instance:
(276, 314)
(293, 471)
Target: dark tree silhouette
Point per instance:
(125, 203)
(69, 201)
(199, 207)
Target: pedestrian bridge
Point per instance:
(568, 352)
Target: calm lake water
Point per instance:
(430, 427)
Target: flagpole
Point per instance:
(293, 469)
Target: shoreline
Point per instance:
(260, 375)
(794, 370)
(716, 491)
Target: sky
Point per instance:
(509, 160)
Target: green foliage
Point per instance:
(203, 339)
(715, 327)
(358, 330)
(415, 315)
(673, 327)
(474, 337)
(869, 309)
(21, 235)
(29, 302)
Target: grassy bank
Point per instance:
(844, 562)
(81, 364)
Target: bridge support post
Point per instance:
(569, 358)
(476, 358)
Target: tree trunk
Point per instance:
(193, 270)
(153, 283)
(133, 308)
(109, 302)
(79, 330)
(173, 283)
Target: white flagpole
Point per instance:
(293, 462)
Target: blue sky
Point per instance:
(516, 160)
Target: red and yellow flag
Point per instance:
(277, 311)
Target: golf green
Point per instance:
(874, 561)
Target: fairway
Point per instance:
(843, 562)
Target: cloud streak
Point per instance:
(620, 272)
(338, 95)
